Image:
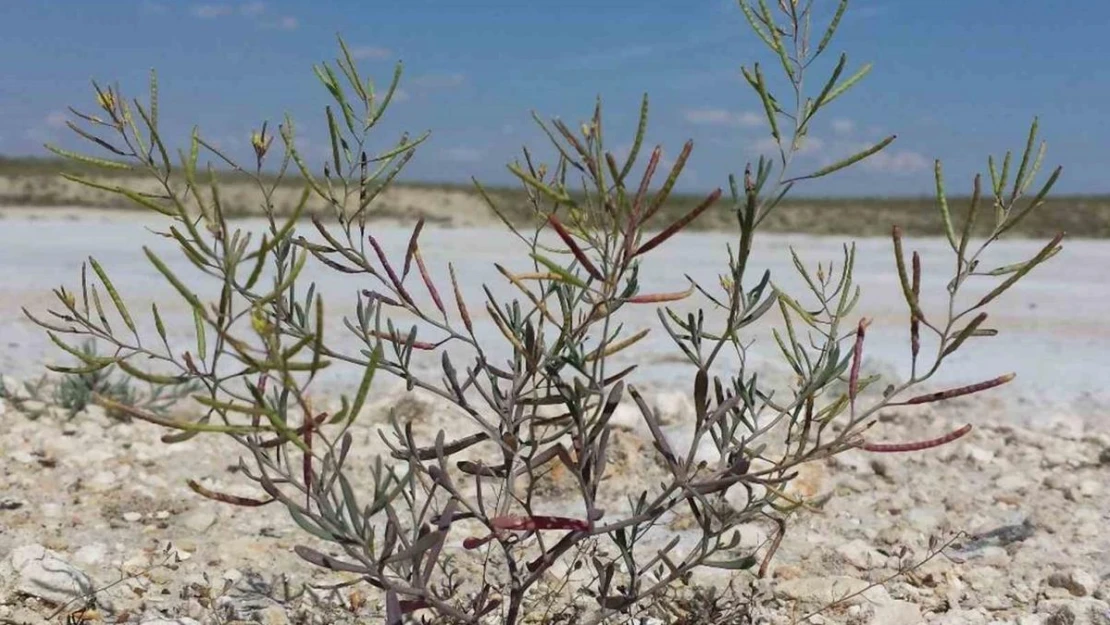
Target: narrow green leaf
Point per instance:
(903, 278)
(1019, 178)
(753, 21)
(147, 376)
(827, 37)
(116, 299)
(364, 384)
(847, 84)
(768, 107)
(202, 342)
(851, 160)
(92, 160)
(820, 101)
(159, 325)
(964, 334)
(1047, 251)
(333, 133)
(1037, 201)
(173, 280)
(637, 141)
(969, 223)
(945, 214)
(559, 271)
(153, 100)
(88, 359)
(142, 201)
(746, 562)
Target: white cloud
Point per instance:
(286, 22)
(210, 11)
(898, 162)
(253, 9)
(56, 119)
(811, 146)
(151, 7)
(843, 126)
(462, 154)
(723, 117)
(371, 52)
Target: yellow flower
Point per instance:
(261, 143)
(260, 323)
(106, 100)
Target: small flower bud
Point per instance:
(106, 100)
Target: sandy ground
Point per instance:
(1028, 485)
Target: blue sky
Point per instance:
(954, 79)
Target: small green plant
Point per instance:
(540, 396)
(74, 391)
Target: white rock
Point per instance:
(102, 482)
(97, 414)
(177, 621)
(961, 617)
(978, 455)
(1085, 611)
(861, 555)
(15, 388)
(752, 536)
(1012, 482)
(897, 613)
(51, 510)
(1089, 488)
(131, 517)
(233, 575)
(1078, 582)
(199, 520)
(822, 590)
(926, 518)
(37, 571)
(271, 615)
(91, 553)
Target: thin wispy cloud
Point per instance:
(56, 119)
(375, 53)
(724, 117)
(897, 162)
(843, 126)
(211, 11)
(253, 9)
(152, 8)
(462, 154)
(286, 22)
(818, 152)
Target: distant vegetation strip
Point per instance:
(36, 182)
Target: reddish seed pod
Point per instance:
(918, 446)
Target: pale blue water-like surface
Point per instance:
(1054, 331)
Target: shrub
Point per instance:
(542, 396)
(75, 391)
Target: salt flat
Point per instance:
(1054, 331)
